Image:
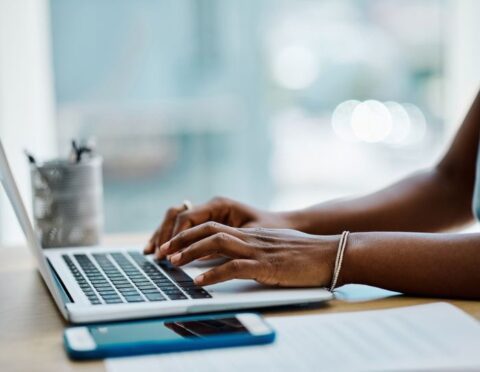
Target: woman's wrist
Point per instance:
(294, 220)
(312, 222)
(353, 259)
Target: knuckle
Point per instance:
(191, 249)
(182, 217)
(220, 200)
(211, 226)
(171, 213)
(184, 220)
(235, 266)
(185, 254)
(220, 237)
(180, 238)
(210, 275)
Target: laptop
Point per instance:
(92, 284)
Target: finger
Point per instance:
(219, 244)
(164, 232)
(235, 269)
(215, 210)
(192, 217)
(187, 237)
(210, 257)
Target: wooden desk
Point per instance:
(31, 327)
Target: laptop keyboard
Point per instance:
(112, 278)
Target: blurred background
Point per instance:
(277, 103)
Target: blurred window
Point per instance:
(280, 103)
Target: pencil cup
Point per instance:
(68, 202)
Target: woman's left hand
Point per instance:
(280, 257)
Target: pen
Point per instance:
(78, 151)
(30, 157)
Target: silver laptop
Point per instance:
(99, 283)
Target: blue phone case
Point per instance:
(160, 346)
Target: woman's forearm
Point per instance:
(445, 265)
(429, 201)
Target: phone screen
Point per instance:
(170, 330)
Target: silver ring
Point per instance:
(187, 204)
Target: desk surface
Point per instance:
(31, 327)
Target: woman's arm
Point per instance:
(434, 200)
(443, 265)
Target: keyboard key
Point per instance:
(134, 299)
(169, 287)
(199, 294)
(100, 283)
(133, 292)
(105, 290)
(153, 290)
(116, 276)
(155, 297)
(145, 286)
(102, 288)
(136, 277)
(174, 272)
(124, 286)
(114, 301)
(141, 281)
(179, 296)
(171, 290)
(170, 293)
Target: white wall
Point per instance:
(26, 96)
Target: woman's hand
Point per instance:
(270, 256)
(222, 210)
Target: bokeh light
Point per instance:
(342, 119)
(371, 121)
(401, 124)
(419, 124)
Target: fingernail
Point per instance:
(199, 279)
(175, 258)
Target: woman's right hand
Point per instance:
(225, 211)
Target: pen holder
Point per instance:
(68, 202)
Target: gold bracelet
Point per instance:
(342, 244)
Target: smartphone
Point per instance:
(167, 335)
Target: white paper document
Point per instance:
(410, 338)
